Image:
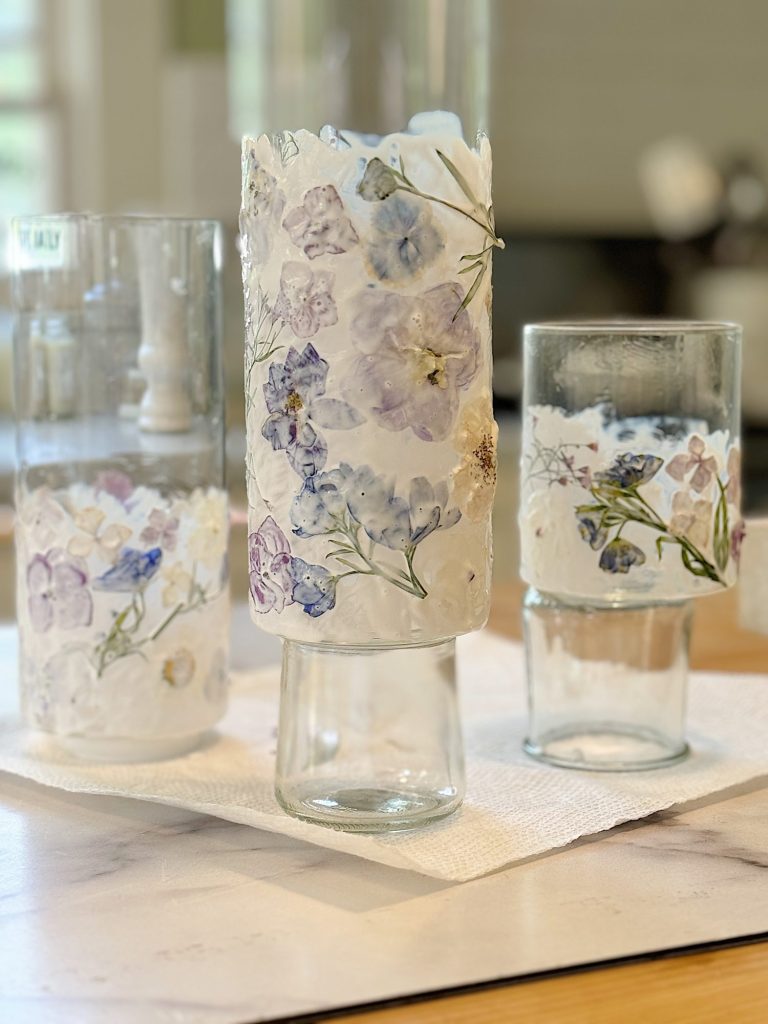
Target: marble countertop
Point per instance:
(126, 912)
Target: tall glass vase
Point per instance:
(371, 442)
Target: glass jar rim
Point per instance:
(633, 326)
(113, 219)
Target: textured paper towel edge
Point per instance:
(382, 849)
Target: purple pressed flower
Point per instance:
(620, 555)
(269, 560)
(162, 529)
(404, 239)
(132, 571)
(416, 354)
(321, 224)
(113, 482)
(305, 301)
(314, 587)
(294, 397)
(628, 470)
(591, 531)
(57, 592)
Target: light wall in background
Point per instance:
(580, 88)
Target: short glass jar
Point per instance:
(121, 514)
(630, 507)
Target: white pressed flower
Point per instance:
(106, 543)
(474, 479)
(178, 582)
(208, 542)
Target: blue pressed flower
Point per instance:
(592, 532)
(620, 555)
(131, 571)
(313, 587)
(629, 470)
(382, 514)
(428, 508)
(404, 239)
(294, 396)
(321, 503)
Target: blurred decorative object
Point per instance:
(720, 212)
(121, 533)
(371, 441)
(682, 187)
(630, 506)
(753, 582)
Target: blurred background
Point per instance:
(630, 159)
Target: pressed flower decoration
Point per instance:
(263, 203)
(305, 301)
(415, 358)
(381, 181)
(320, 226)
(697, 526)
(474, 480)
(344, 351)
(294, 395)
(404, 239)
(58, 595)
(98, 569)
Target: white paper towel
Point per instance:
(515, 808)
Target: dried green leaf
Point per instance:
(458, 177)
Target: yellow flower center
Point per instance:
(430, 368)
(294, 402)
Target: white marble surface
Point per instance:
(125, 912)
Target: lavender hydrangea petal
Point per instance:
(404, 239)
(335, 414)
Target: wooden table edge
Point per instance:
(718, 983)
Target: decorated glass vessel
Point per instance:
(630, 507)
(371, 441)
(121, 516)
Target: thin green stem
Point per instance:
(409, 583)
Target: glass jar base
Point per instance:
(606, 747)
(368, 808)
(125, 750)
(369, 737)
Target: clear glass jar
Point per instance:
(368, 735)
(371, 441)
(121, 513)
(630, 507)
